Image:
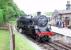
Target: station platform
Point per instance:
(63, 31)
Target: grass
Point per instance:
(22, 43)
(4, 40)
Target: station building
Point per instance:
(63, 15)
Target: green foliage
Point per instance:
(22, 13)
(8, 10)
(1, 16)
(49, 13)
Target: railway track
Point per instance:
(66, 45)
(53, 46)
(60, 46)
(56, 45)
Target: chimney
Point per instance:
(38, 13)
(68, 5)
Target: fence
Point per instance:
(12, 38)
(4, 27)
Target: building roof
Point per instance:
(64, 11)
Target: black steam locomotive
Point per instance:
(36, 27)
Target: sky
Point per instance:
(33, 6)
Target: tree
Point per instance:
(8, 9)
(1, 16)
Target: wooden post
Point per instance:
(12, 38)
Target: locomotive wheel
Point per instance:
(38, 39)
(21, 31)
(17, 28)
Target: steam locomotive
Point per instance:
(36, 27)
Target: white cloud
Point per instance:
(32, 6)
